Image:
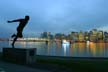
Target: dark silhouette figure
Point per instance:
(22, 24)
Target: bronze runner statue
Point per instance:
(22, 24)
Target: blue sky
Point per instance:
(53, 16)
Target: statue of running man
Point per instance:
(22, 23)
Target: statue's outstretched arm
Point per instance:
(18, 20)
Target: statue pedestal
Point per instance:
(20, 55)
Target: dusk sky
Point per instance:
(55, 16)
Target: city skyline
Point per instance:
(55, 16)
(93, 35)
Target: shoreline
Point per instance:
(52, 41)
(72, 58)
(68, 57)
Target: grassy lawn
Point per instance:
(77, 65)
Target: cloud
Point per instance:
(104, 28)
(55, 15)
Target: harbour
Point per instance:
(78, 49)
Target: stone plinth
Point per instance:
(20, 55)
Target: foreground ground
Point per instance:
(63, 64)
(9, 67)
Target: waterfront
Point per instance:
(88, 49)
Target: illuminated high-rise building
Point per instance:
(93, 35)
(81, 36)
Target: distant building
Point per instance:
(81, 36)
(100, 35)
(106, 36)
(86, 36)
(60, 36)
(93, 35)
(49, 35)
(46, 35)
(74, 36)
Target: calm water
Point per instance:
(57, 49)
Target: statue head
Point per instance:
(27, 17)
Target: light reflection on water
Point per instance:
(88, 49)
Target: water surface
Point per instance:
(57, 49)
